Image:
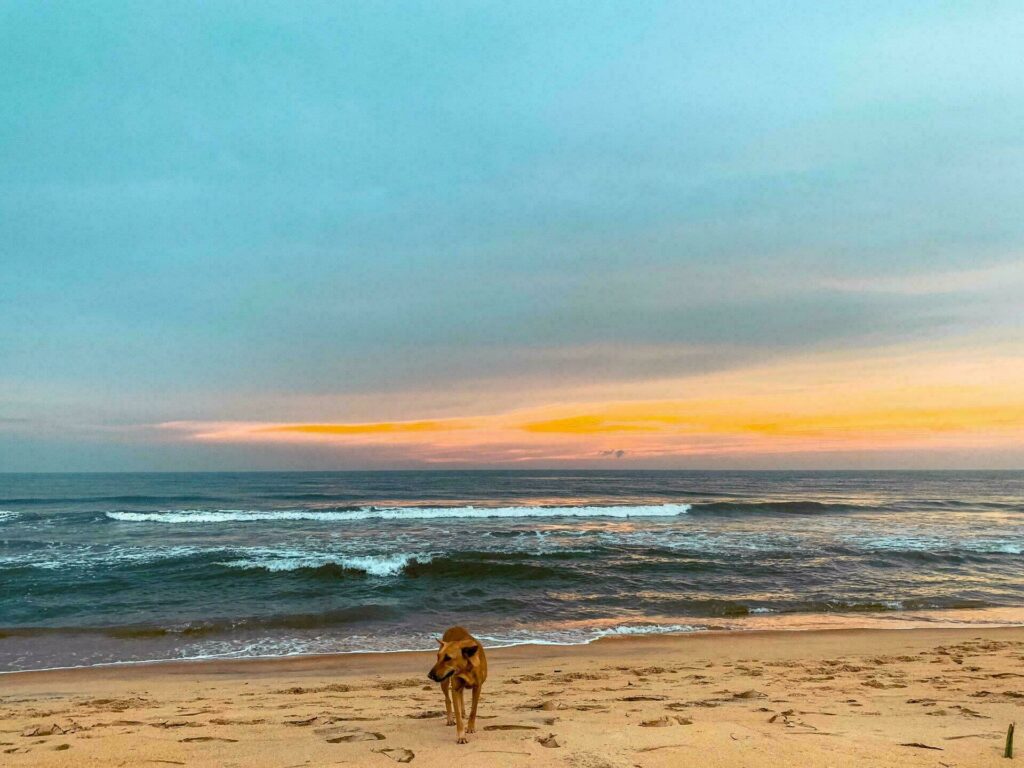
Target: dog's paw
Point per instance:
(450, 722)
(470, 729)
(462, 740)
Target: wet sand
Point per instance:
(929, 697)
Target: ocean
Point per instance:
(107, 568)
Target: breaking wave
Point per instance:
(939, 546)
(193, 516)
(372, 565)
(777, 507)
(647, 629)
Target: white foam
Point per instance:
(724, 542)
(1006, 548)
(373, 565)
(59, 558)
(647, 629)
(892, 605)
(901, 543)
(6, 514)
(392, 513)
(936, 544)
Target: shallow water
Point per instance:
(121, 567)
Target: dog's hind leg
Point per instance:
(449, 719)
(471, 727)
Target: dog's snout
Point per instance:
(432, 675)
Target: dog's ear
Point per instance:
(469, 653)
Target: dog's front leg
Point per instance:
(445, 684)
(460, 733)
(471, 727)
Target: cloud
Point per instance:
(999, 276)
(822, 403)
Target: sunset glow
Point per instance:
(870, 403)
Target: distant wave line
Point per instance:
(188, 516)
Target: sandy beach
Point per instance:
(935, 697)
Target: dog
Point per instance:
(461, 664)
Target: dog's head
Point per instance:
(458, 657)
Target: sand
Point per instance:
(930, 697)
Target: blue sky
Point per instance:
(351, 212)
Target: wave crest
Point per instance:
(193, 516)
(372, 565)
(776, 507)
(647, 629)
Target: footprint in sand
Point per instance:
(344, 735)
(550, 741)
(789, 720)
(968, 712)
(304, 721)
(326, 720)
(664, 722)
(547, 706)
(118, 705)
(643, 698)
(882, 684)
(54, 729)
(751, 694)
(177, 724)
(919, 745)
(399, 755)
(511, 727)
(193, 739)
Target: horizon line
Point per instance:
(524, 470)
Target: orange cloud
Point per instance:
(885, 400)
(384, 427)
(587, 424)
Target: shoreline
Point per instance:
(994, 617)
(337, 661)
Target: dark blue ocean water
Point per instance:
(118, 567)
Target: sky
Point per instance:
(303, 235)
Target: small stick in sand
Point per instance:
(1008, 752)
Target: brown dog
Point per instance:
(461, 664)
